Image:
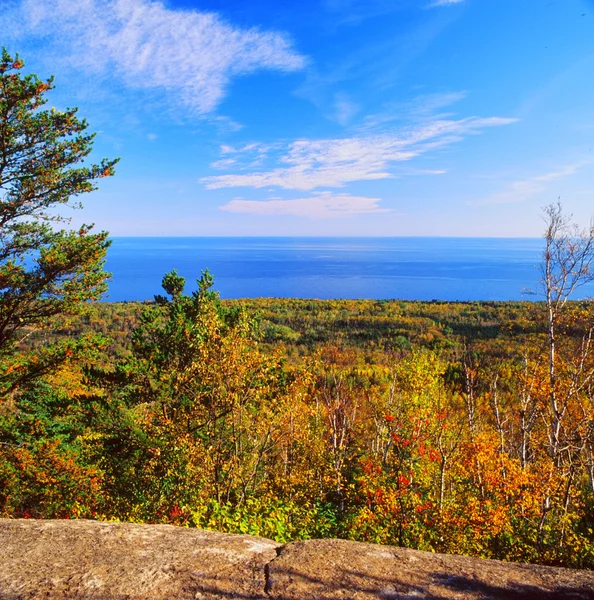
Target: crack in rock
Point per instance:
(268, 583)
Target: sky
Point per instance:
(323, 117)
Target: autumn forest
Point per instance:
(449, 427)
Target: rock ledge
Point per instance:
(72, 560)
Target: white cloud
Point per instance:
(521, 191)
(244, 157)
(253, 147)
(190, 54)
(324, 205)
(225, 124)
(224, 163)
(445, 2)
(335, 162)
(430, 104)
(420, 109)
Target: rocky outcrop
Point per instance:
(331, 569)
(61, 560)
(116, 561)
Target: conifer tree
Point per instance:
(46, 269)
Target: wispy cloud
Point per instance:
(224, 163)
(445, 2)
(420, 109)
(344, 109)
(323, 205)
(433, 104)
(351, 12)
(250, 147)
(246, 156)
(526, 189)
(190, 54)
(313, 164)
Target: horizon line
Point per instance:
(354, 237)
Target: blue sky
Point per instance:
(324, 117)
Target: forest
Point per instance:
(449, 427)
(427, 425)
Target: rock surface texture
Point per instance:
(56, 560)
(61, 560)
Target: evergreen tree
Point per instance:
(45, 269)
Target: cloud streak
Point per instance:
(312, 164)
(190, 54)
(323, 205)
(521, 191)
(445, 2)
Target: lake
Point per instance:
(411, 268)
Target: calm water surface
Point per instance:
(376, 268)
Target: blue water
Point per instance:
(376, 268)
